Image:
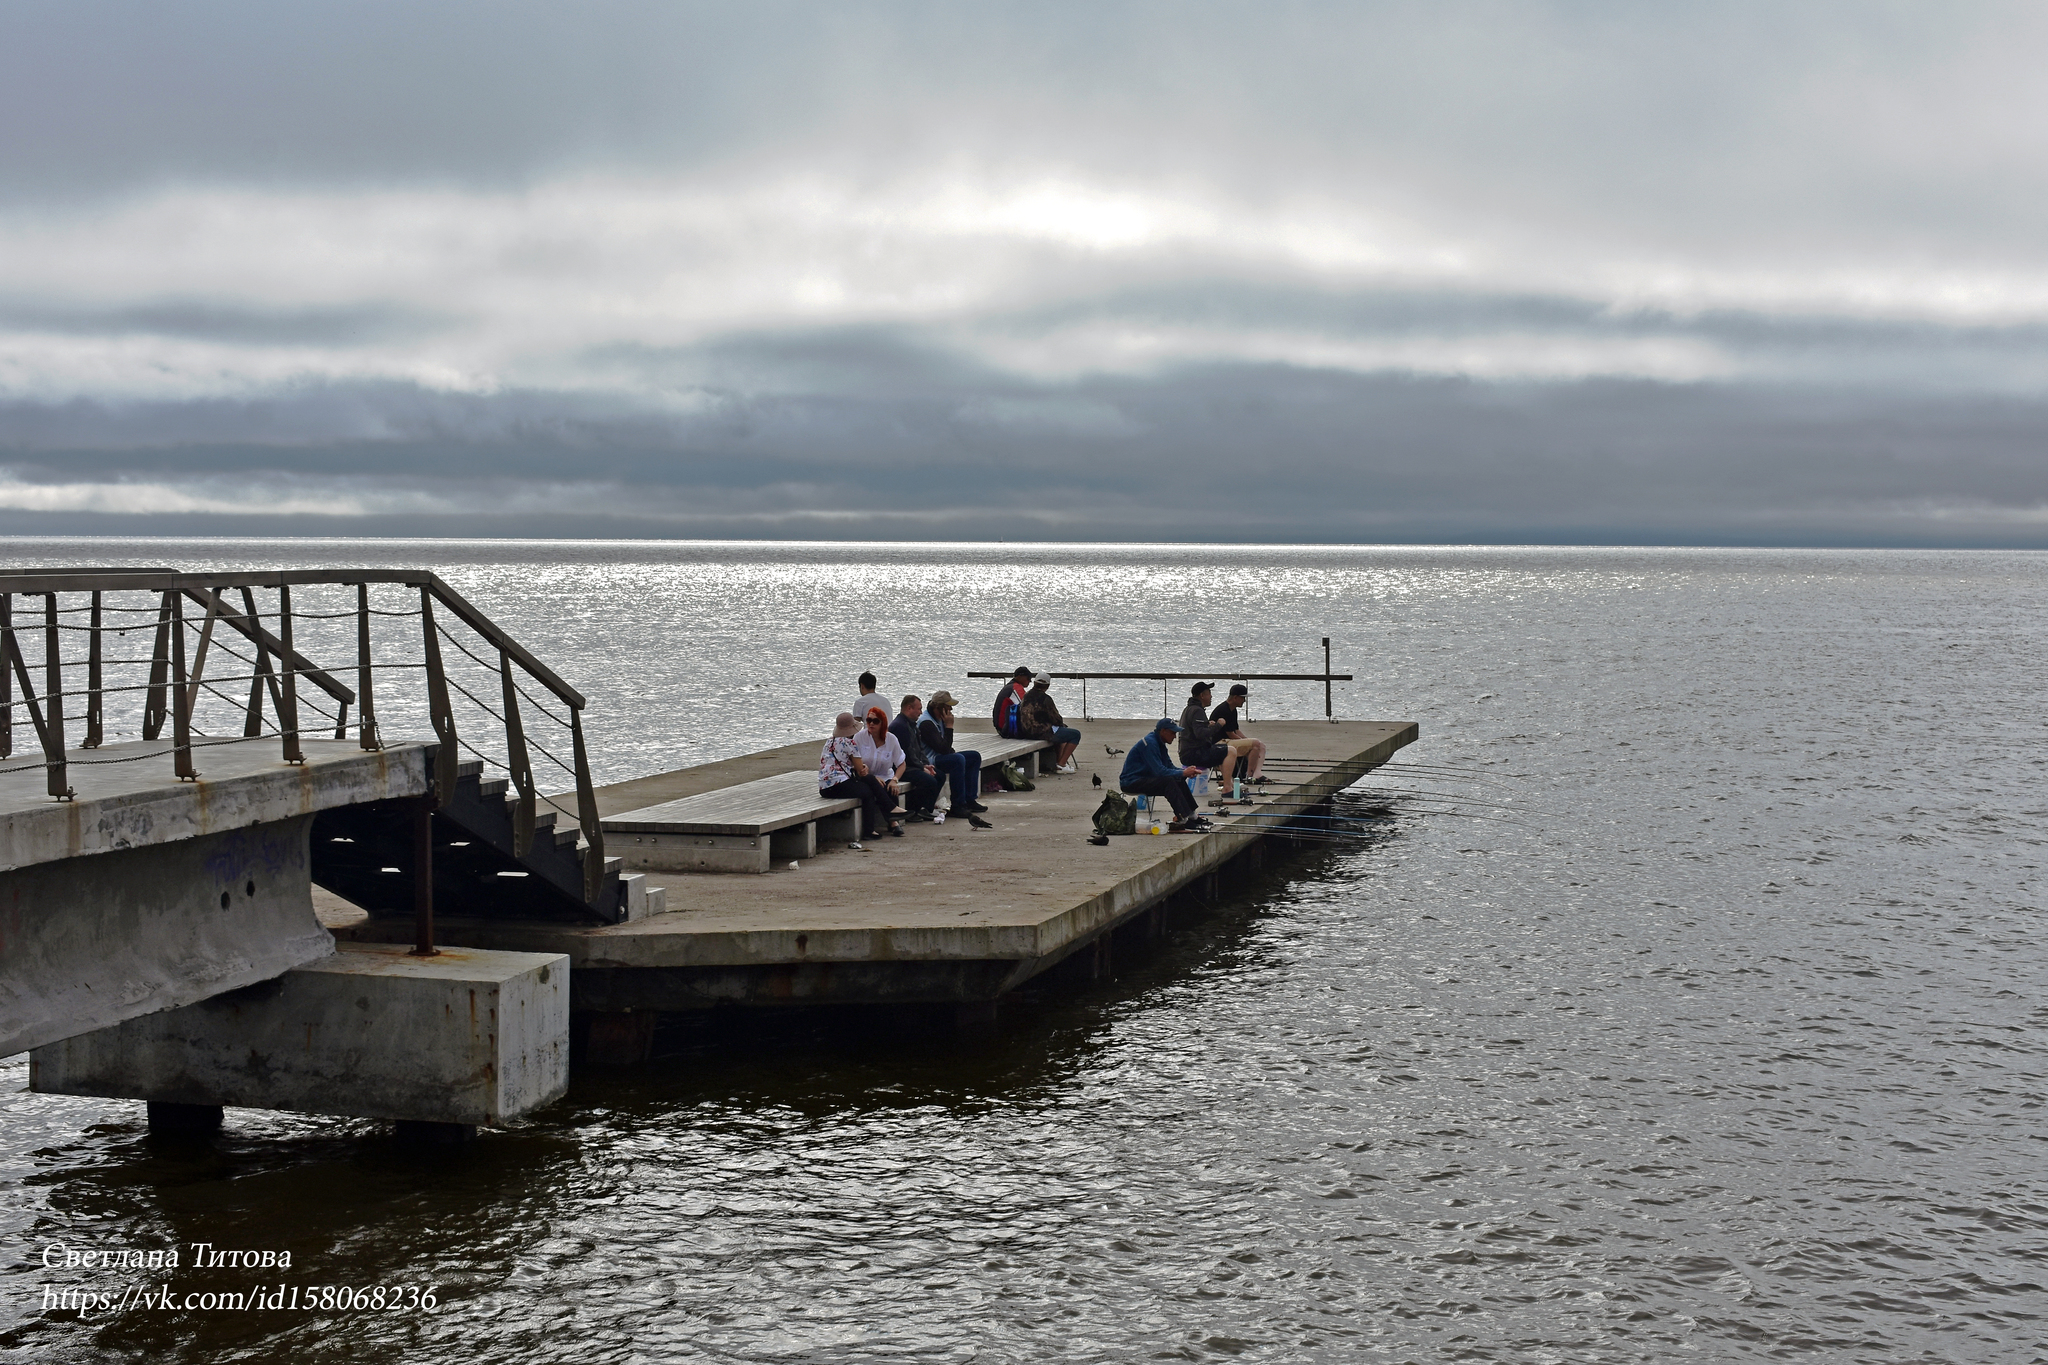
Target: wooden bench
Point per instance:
(744, 828)
(994, 749)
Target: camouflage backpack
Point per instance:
(1116, 815)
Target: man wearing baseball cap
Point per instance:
(1228, 727)
(962, 767)
(1148, 771)
(1042, 720)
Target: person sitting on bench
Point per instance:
(869, 699)
(842, 774)
(884, 760)
(1008, 716)
(1149, 772)
(962, 767)
(918, 768)
(1042, 720)
(1230, 732)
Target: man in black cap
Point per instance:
(1229, 732)
(1149, 772)
(1199, 739)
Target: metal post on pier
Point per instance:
(423, 878)
(53, 700)
(95, 728)
(1329, 709)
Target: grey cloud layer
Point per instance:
(1385, 272)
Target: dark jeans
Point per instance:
(924, 788)
(1210, 757)
(875, 801)
(1174, 789)
(963, 768)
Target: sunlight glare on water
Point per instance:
(1720, 1039)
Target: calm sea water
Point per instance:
(1722, 1041)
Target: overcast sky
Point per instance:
(1739, 273)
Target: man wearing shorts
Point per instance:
(1228, 728)
(1201, 743)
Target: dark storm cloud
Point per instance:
(1398, 271)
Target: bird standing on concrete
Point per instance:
(1113, 750)
(1095, 778)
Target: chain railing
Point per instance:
(196, 620)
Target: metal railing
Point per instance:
(1326, 678)
(213, 612)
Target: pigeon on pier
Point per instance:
(1113, 750)
(1095, 778)
(978, 822)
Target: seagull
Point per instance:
(1113, 750)
(1096, 778)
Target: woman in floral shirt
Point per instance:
(841, 773)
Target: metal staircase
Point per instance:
(229, 663)
(364, 855)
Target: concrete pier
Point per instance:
(146, 893)
(465, 1037)
(946, 914)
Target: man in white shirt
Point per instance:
(883, 756)
(869, 697)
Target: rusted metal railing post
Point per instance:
(6, 678)
(252, 720)
(423, 877)
(155, 703)
(95, 731)
(439, 713)
(181, 711)
(53, 691)
(366, 710)
(516, 761)
(586, 814)
(288, 710)
(53, 759)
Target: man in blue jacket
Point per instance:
(1150, 771)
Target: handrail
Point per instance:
(1326, 678)
(173, 692)
(196, 585)
(1171, 677)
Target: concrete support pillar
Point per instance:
(467, 1036)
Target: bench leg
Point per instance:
(843, 828)
(798, 841)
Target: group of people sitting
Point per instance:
(1025, 710)
(879, 758)
(1207, 739)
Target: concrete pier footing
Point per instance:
(466, 1037)
(147, 893)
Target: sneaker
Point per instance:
(1067, 769)
(975, 807)
(896, 829)
(922, 817)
